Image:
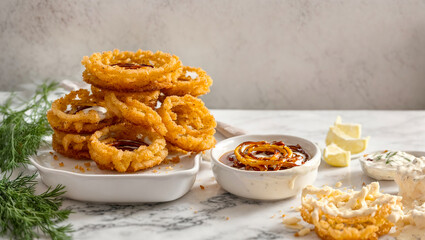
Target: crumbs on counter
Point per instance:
(338, 184)
(302, 232)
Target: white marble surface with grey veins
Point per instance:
(213, 213)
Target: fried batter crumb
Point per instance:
(338, 184)
(51, 153)
(76, 166)
(155, 171)
(169, 168)
(61, 164)
(195, 211)
(302, 232)
(81, 169)
(87, 164)
(202, 187)
(283, 215)
(55, 157)
(88, 169)
(227, 218)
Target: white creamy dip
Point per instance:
(101, 111)
(383, 165)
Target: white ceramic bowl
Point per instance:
(162, 183)
(271, 185)
(379, 173)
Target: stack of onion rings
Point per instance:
(131, 86)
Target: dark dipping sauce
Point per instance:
(127, 145)
(131, 65)
(299, 157)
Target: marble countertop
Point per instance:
(212, 213)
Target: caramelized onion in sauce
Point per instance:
(298, 158)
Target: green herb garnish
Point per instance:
(22, 130)
(389, 156)
(406, 158)
(23, 214)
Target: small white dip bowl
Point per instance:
(380, 173)
(269, 185)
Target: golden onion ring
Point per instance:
(135, 112)
(149, 98)
(66, 116)
(190, 125)
(349, 215)
(107, 70)
(185, 84)
(109, 157)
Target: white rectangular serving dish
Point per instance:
(85, 182)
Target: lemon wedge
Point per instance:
(343, 139)
(336, 156)
(350, 129)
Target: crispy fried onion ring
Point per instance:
(70, 114)
(352, 215)
(189, 123)
(131, 71)
(262, 155)
(112, 148)
(135, 112)
(71, 145)
(149, 98)
(192, 81)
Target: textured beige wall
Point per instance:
(261, 54)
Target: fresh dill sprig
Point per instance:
(22, 130)
(23, 214)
